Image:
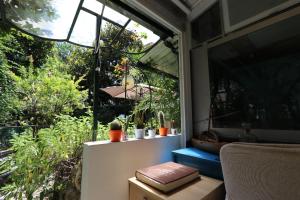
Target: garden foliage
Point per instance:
(35, 161)
(7, 95)
(46, 92)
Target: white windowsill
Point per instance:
(129, 140)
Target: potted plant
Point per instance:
(126, 124)
(151, 132)
(173, 127)
(162, 130)
(115, 131)
(151, 129)
(139, 126)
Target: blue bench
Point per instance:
(208, 164)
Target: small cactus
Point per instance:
(115, 125)
(161, 118)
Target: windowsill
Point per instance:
(103, 142)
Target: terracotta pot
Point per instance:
(163, 131)
(115, 135)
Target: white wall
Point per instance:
(108, 166)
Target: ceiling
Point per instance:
(191, 4)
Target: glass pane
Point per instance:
(45, 18)
(93, 5)
(114, 16)
(84, 31)
(108, 32)
(147, 36)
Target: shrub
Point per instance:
(45, 93)
(36, 163)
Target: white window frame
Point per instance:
(230, 28)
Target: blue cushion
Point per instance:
(208, 164)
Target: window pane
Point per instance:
(84, 31)
(108, 32)
(114, 16)
(45, 18)
(93, 5)
(146, 35)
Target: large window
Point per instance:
(256, 79)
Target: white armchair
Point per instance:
(261, 171)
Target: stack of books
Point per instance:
(167, 176)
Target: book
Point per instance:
(167, 176)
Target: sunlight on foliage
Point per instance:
(45, 93)
(34, 162)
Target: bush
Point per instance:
(37, 164)
(45, 93)
(7, 93)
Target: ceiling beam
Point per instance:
(200, 8)
(182, 6)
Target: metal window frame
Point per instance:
(163, 33)
(97, 68)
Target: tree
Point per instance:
(80, 61)
(26, 13)
(45, 93)
(21, 49)
(165, 96)
(7, 95)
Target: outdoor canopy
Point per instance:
(75, 21)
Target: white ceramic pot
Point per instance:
(174, 131)
(151, 133)
(124, 136)
(139, 133)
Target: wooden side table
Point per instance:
(201, 189)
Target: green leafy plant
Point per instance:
(103, 129)
(139, 120)
(45, 93)
(161, 117)
(42, 166)
(115, 125)
(7, 91)
(127, 123)
(165, 96)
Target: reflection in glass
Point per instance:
(93, 5)
(114, 16)
(255, 79)
(109, 31)
(147, 36)
(45, 18)
(84, 31)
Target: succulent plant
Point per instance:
(115, 125)
(161, 117)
